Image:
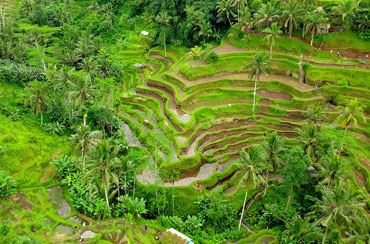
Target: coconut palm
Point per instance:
(315, 114)
(273, 145)
(173, 176)
(332, 168)
(38, 94)
(85, 46)
(308, 136)
(338, 206)
(315, 22)
(205, 30)
(307, 2)
(101, 164)
(225, 7)
(291, 15)
(301, 230)
(346, 9)
(85, 140)
(266, 14)
(240, 4)
(352, 114)
(164, 19)
(257, 67)
(272, 34)
(80, 90)
(94, 7)
(251, 165)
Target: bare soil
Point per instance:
(274, 95)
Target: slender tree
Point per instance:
(266, 15)
(174, 175)
(308, 137)
(225, 7)
(346, 9)
(85, 140)
(251, 165)
(164, 19)
(257, 67)
(315, 114)
(80, 90)
(273, 145)
(316, 21)
(38, 94)
(272, 34)
(338, 206)
(291, 15)
(101, 164)
(352, 114)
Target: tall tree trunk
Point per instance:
(312, 36)
(325, 234)
(106, 195)
(271, 50)
(290, 195)
(254, 96)
(173, 198)
(42, 118)
(245, 201)
(164, 40)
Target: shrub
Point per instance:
(211, 58)
(7, 185)
(65, 165)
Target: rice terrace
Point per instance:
(173, 121)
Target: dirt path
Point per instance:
(228, 48)
(244, 76)
(202, 60)
(149, 176)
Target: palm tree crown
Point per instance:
(291, 14)
(101, 163)
(272, 34)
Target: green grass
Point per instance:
(345, 40)
(28, 151)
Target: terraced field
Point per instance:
(200, 116)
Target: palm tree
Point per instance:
(225, 7)
(80, 90)
(164, 19)
(301, 230)
(174, 175)
(85, 140)
(241, 5)
(101, 163)
(352, 114)
(258, 66)
(345, 9)
(338, 206)
(291, 14)
(205, 30)
(308, 136)
(332, 168)
(251, 165)
(315, 114)
(307, 2)
(266, 14)
(85, 46)
(272, 34)
(273, 145)
(315, 21)
(94, 7)
(37, 97)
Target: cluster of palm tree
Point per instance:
(337, 206)
(290, 15)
